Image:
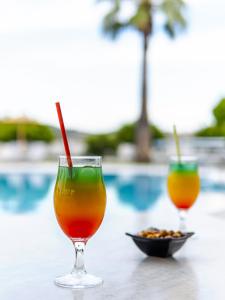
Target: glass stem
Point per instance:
(79, 268)
(183, 220)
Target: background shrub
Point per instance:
(108, 143)
(29, 131)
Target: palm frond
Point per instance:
(112, 25)
(173, 11)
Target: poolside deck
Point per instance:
(32, 257)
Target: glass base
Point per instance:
(78, 281)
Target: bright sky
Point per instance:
(54, 50)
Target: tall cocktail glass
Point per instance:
(183, 185)
(79, 202)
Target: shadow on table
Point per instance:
(155, 278)
(78, 295)
(170, 278)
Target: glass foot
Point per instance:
(78, 281)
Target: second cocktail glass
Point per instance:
(183, 185)
(79, 202)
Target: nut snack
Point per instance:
(154, 233)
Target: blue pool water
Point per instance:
(24, 193)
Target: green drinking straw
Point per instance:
(177, 142)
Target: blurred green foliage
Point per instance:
(108, 143)
(212, 131)
(219, 112)
(219, 128)
(102, 144)
(126, 134)
(29, 131)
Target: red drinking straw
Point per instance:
(64, 136)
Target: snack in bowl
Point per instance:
(161, 243)
(154, 233)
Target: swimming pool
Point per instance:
(26, 193)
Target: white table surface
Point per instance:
(34, 251)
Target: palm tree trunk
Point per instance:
(142, 128)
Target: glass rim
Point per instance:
(80, 161)
(81, 156)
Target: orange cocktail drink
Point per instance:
(79, 203)
(79, 200)
(183, 182)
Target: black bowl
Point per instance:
(161, 247)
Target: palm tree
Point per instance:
(142, 20)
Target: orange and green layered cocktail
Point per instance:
(79, 203)
(79, 200)
(183, 183)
